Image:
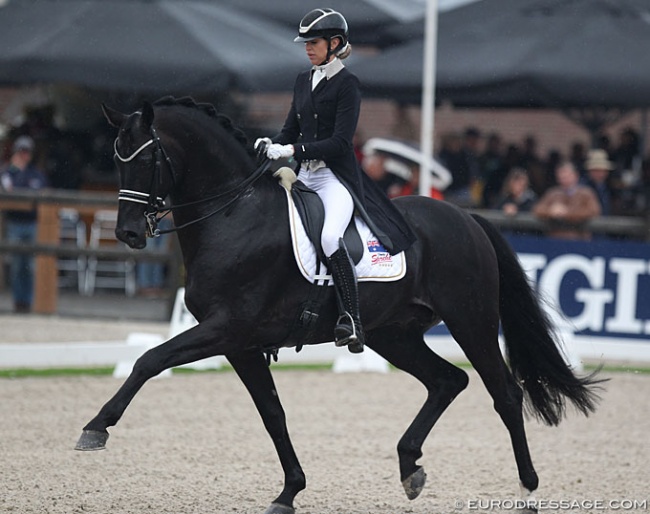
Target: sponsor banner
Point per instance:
(601, 287)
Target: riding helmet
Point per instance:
(326, 23)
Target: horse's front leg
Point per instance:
(256, 376)
(197, 343)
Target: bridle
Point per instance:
(154, 203)
(156, 209)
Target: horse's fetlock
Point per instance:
(529, 482)
(409, 448)
(298, 482)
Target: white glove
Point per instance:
(276, 151)
(261, 140)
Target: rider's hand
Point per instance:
(261, 144)
(276, 151)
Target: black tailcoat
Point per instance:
(321, 125)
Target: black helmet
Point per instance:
(325, 23)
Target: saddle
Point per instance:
(312, 214)
(372, 261)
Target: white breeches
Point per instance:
(338, 203)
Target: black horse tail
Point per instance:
(535, 360)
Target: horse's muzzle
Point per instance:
(133, 239)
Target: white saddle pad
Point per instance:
(376, 265)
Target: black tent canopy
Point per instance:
(161, 46)
(366, 18)
(588, 58)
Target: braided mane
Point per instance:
(208, 109)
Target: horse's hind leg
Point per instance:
(479, 341)
(406, 349)
(256, 376)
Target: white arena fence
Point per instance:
(122, 354)
(604, 286)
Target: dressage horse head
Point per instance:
(145, 176)
(155, 150)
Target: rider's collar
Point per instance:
(331, 68)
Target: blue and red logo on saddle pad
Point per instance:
(378, 254)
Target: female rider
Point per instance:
(318, 134)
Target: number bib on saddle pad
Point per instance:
(376, 265)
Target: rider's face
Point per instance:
(316, 50)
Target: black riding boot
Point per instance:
(348, 329)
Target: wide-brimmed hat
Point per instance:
(598, 160)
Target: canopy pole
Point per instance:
(428, 95)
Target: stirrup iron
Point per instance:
(342, 325)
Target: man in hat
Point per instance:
(21, 225)
(598, 167)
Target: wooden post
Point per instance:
(46, 279)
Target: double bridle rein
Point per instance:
(156, 209)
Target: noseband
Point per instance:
(155, 204)
(156, 209)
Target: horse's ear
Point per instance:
(115, 118)
(147, 115)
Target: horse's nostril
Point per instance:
(129, 237)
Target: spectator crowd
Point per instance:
(563, 189)
(483, 166)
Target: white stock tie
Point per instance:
(319, 74)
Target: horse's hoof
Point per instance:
(92, 440)
(277, 508)
(414, 484)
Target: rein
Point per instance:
(155, 205)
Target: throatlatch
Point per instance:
(348, 330)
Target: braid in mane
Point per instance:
(210, 110)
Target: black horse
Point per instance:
(244, 288)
